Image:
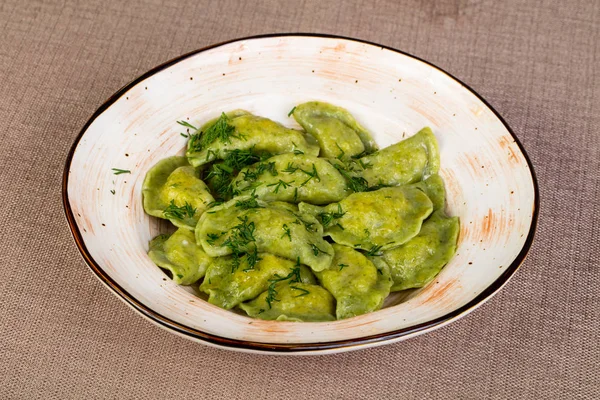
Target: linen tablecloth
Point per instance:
(63, 335)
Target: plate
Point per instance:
(490, 181)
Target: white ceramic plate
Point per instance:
(490, 182)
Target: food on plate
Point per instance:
(297, 225)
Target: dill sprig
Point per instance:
(307, 225)
(214, 204)
(211, 238)
(219, 178)
(342, 152)
(248, 203)
(238, 159)
(355, 183)
(327, 218)
(290, 169)
(254, 173)
(304, 291)
(118, 171)
(220, 130)
(280, 184)
(316, 250)
(311, 175)
(342, 266)
(189, 126)
(375, 251)
(293, 276)
(238, 240)
(172, 211)
(287, 232)
(291, 111)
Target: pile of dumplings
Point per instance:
(300, 225)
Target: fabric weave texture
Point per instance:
(63, 335)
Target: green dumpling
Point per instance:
(417, 262)
(240, 130)
(357, 285)
(377, 220)
(247, 225)
(293, 178)
(336, 130)
(433, 187)
(179, 254)
(289, 301)
(228, 284)
(171, 190)
(408, 161)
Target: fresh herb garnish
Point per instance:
(293, 276)
(304, 291)
(295, 195)
(287, 232)
(280, 184)
(252, 258)
(118, 171)
(317, 250)
(298, 152)
(238, 159)
(172, 211)
(342, 266)
(254, 173)
(311, 175)
(355, 183)
(112, 191)
(187, 125)
(219, 131)
(239, 238)
(375, 251)
(327, 218)
(360, 155)
(248, 203)
(214, 204)
(180, 276)
(342, 152)
(290, 169)
(219, 178)
(211, 238)
(291, 111)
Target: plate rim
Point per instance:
(288, 348)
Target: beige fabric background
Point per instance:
(63, 335)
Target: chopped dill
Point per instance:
(293, 276)
(221, 131)
(172, 211)
(342, 266)
(327, 218)
(211, 238)
(287, 232)
(342, 152)
(248, 203)
(304, 291)
(311, 175)
(280, 184)
(291, 111)
(375, 251)
(317, 250)
(290, 169)
(118, 171)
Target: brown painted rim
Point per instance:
(300, 347)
